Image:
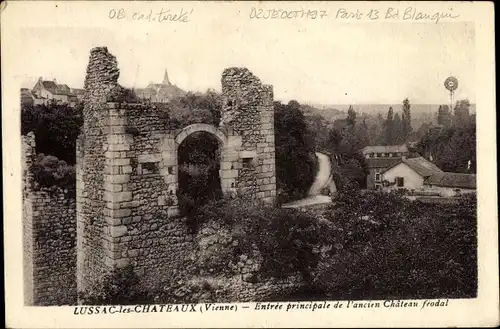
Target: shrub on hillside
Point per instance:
(385, 246)
(120, 287)
(285, 238)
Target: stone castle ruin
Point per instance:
(126, 209)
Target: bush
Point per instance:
(120, 287)
(56, 128)
(48, 171)
(384, 246)
(285, 238)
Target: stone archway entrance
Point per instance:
(219, 135)
(199, 159)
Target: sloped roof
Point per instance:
(382, 162)
(384, 149)
(49, 85)
(450, 179)
(77, 91)
(422, 166)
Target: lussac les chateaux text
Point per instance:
(266, 306)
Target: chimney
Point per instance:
(55, 81)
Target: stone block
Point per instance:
(113, 221)
(118, 147)
(225, 165)
(149, 158)
(111, 187)
(117, 129)
(118, 231)
(228, 174)
(117, 196)
(111, 154)
(125, 169)
(119, 213)
(118, 162)
(117, 179)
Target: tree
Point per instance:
(398, 136)
(56, 128)
(406, 118)
(351, 117)
(389, 128)
(295, 161)
(462, 115)
(444, 116)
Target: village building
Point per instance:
(409, 174)
(421, 177)
(378, 158)
(160, 92)
(45, 92)
(451, 184)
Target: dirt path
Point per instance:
(321, 181)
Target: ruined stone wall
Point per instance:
(141, 190)
(248, 111)
(127, 173)
(100, 84)
(49, 239)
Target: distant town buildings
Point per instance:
(160, 92)
(46, 91)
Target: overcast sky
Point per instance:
(316, 62)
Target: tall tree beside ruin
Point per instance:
(406, 118)
(462, 113)
(444, 116)
(389, 127)
(398, 134)
(351, 117)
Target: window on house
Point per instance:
(400, 181)
(390, 155)
(379, 155)
(170, 170)
(377, 177)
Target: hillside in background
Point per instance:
(420, 112)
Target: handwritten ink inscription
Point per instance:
(162, 15)
(286, 14)
(389, 13)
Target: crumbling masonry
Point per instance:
(127, 172)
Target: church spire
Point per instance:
(165, 78)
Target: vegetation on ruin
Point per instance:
(48, 172)
(56, 128)
(120, 287)
(369, 245)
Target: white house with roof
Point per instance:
(409, 173)
(421, 176)
(379, 158)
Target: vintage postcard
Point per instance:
(249, 164)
